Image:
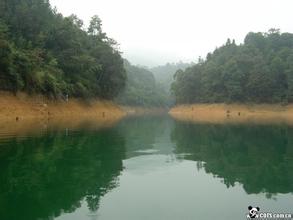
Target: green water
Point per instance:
(147, 168)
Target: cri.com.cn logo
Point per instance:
(254, 212)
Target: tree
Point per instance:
(95, 27)
(258, 71)
(43, 52)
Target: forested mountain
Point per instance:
(258, 71)
(141, 88)
(43, 52)
(164, 74)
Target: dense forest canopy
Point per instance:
(258, 71)
(43, 52)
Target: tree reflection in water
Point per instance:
(260, 157)
(46, 175)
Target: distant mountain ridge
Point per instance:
(164, 73)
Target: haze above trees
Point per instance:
(43, 52)
(141, 88)
(258, 71)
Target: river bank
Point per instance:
(22, 106)
(22, 113)
(233, 113)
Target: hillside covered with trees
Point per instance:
(164, 73)
(258, 71)
(45, 53)
(141, 88)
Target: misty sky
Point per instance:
(153, 32)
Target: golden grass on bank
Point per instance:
(20, 114)
(23, 114)
(234, 113)
(23, 107)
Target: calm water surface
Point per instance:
(147, 168)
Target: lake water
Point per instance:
(146, 168)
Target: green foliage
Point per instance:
(164, 77)
(43, 52)
(258, 71)
(141, 88)
(164, 74)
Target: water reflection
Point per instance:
(46, 175)
(259, 157)
(87, 169)
(147, 135)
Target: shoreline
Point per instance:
(22, 107)
(234, 113)
(23, 114)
